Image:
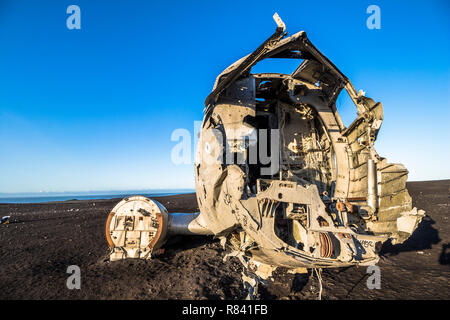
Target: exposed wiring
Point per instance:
(319, 278)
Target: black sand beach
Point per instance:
(43, 239)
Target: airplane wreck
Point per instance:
(279, 178)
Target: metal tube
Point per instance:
(187, 224)
(371, 185)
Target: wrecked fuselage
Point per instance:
(326, 199)
(278, 176)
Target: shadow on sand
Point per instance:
(444, 257)
(422, 238)
(177, 243)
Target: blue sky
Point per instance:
(94, 109)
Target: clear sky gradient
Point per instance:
(94, 109)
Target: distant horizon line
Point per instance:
(100, 192)
(93, 192)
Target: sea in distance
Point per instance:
(88, 195)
